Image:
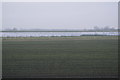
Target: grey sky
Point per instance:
(59, 15)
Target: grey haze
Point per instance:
(59, 15)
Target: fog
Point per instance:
(59, 15)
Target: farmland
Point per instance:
(83, 56)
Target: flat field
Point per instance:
(84, 57)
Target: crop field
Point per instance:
(80, 57)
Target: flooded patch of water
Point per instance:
(47, 34)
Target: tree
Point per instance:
(14, 29)
(96, 28)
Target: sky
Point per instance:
(60, 0)
(59, 15)
(0, 16)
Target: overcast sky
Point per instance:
(59, 15)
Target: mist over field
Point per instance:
(59, 40)
(59, 15)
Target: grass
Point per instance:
(84, 57)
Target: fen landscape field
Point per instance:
(69, 57)
(59, 39)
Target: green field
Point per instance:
(84, 57)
